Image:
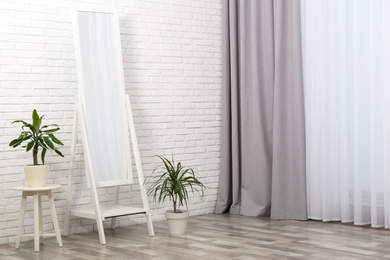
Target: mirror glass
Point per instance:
(101, 92)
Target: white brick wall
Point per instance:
(172, 62)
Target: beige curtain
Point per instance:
(263, 141)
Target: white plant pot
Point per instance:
(35, 175)
(177, 222)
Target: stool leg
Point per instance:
(21, 220)
(36, 221)
(54, 216)
(40, 219)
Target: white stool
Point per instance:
(38, 235)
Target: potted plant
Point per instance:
(37, 136)
(172, 184)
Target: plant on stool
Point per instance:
(37, 136)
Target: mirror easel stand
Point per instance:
(97, 212)
(104, 115)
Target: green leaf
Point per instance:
(16, 142)
(20, 121)
(54, 139)
(48, 142)
(26, 137)
(40, 120)
(46, 126)
(43, 155)
(35, 118)
(22, 137)
(30, 145)
(51, 130)
(32, 128)
(25, 124)
(43, 144)
(58, 152)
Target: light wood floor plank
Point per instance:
(219, 237)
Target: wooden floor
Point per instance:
(219, 237)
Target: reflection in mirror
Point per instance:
(102, 94)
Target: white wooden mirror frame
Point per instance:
(98, 212)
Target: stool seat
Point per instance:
(47, 187)
(37, 193)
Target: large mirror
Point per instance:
(101, 87)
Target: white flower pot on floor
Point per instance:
(35, 175)
(177, 222)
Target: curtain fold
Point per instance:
(346, 57)
(263, 144)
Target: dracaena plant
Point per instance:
(37, 135)
(173, 183)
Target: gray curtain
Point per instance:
(263, 139)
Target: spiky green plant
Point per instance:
(173, 183)
(38, 136)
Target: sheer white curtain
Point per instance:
(346, 57)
